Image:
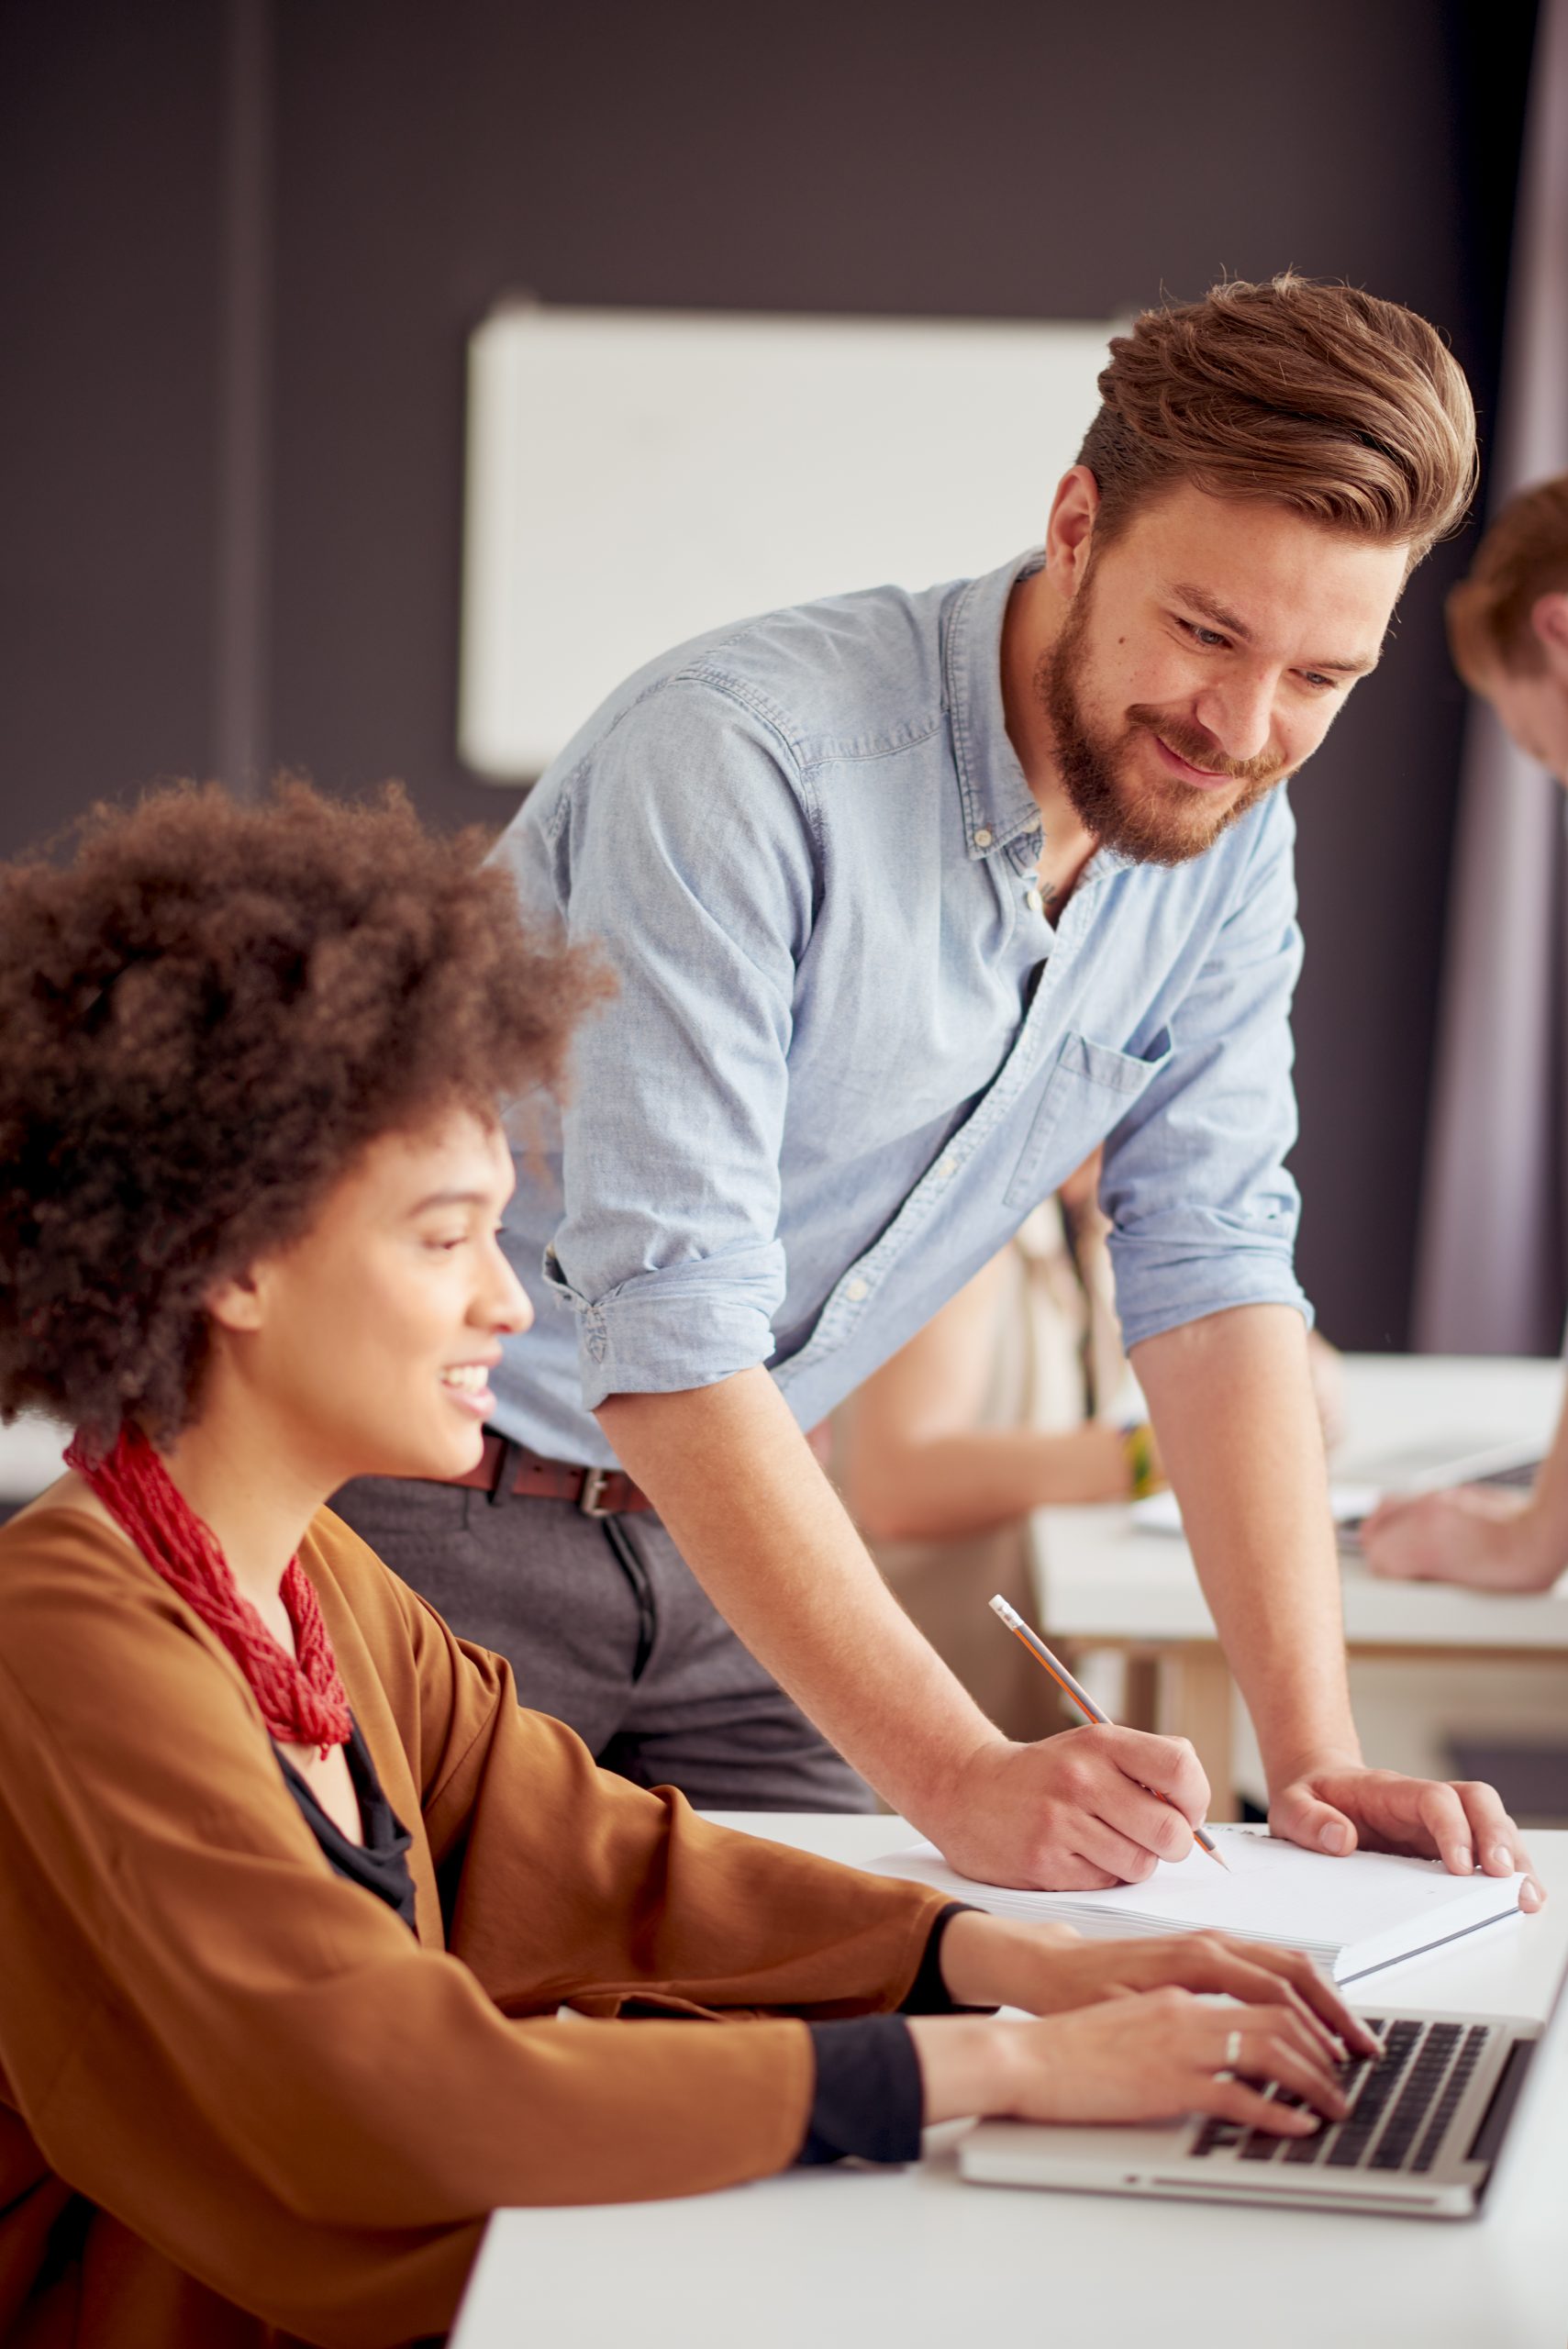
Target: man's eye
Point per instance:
(1315, 677)
(1206, 636)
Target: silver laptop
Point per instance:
(1422, 2139)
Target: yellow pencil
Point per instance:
(1081, 1699)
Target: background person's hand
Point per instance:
(1149, 2058)
(1072, 1812)
(1463, 1824)
(1477, 1534)
(1049, 1969)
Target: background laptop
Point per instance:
(1426, 2127)
(1429, 1465)
(1362, 1477)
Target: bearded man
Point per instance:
(912, 900)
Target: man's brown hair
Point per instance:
(1523, 556)
(208, 1014)
(1350, 411)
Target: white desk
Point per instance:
(915, 2259)
(1102, 1584)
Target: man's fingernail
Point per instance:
(1335, 1836)
(1461, 1860)
(1502, 1858)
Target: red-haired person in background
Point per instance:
(1508, 630)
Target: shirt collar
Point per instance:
(998, 806)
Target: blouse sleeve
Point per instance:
(565, 1884)
(337, 2107)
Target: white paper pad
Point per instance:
(1350, 1915)
(1348, 1504)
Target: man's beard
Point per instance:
(1165, 823)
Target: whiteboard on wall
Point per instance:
(637, 477)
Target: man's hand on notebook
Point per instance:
(1080, 1809)
(1049, 1969)
(1464, 1825)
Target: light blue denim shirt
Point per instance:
(849, 1050)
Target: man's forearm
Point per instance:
(760, 1526)
(1231, 1401)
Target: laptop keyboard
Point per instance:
(1401, 2104)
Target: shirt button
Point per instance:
(1034, 901)
(948, 1169)
(857, 1290)
(984, 837)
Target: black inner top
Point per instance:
(381, 1862)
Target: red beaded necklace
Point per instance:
(301, 1696)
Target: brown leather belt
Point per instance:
(511, 1472)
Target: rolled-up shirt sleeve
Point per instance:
(1204, 1212)
(683, 846)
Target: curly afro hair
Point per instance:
(207, 1015)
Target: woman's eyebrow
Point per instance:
(451, 1199)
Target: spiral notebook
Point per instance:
(1352, 1916)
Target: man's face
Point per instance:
(1205, 654)
(1533, 708)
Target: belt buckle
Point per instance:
(593, 1483)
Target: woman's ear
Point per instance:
(236, 1303)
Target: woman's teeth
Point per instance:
(469, 1378)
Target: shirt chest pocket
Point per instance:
(1088, 1091)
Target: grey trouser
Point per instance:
(607, 1628)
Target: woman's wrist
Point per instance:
(994, 1962)
(965, 2067)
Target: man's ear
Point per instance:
(236, 1303)
(1069, 534)
(1549, 623)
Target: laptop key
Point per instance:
(1453, 2089)
(1356, 2133)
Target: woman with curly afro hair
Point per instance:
(291, 1891)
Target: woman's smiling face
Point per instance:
(367, 1344)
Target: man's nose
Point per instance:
(1240, 714)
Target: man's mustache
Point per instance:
(1199, 748)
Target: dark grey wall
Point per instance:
(1012, 158)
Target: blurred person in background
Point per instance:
(1508, 631)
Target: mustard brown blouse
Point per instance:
(240, 2104)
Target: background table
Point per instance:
(1101, 1583)
(852, 2259)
